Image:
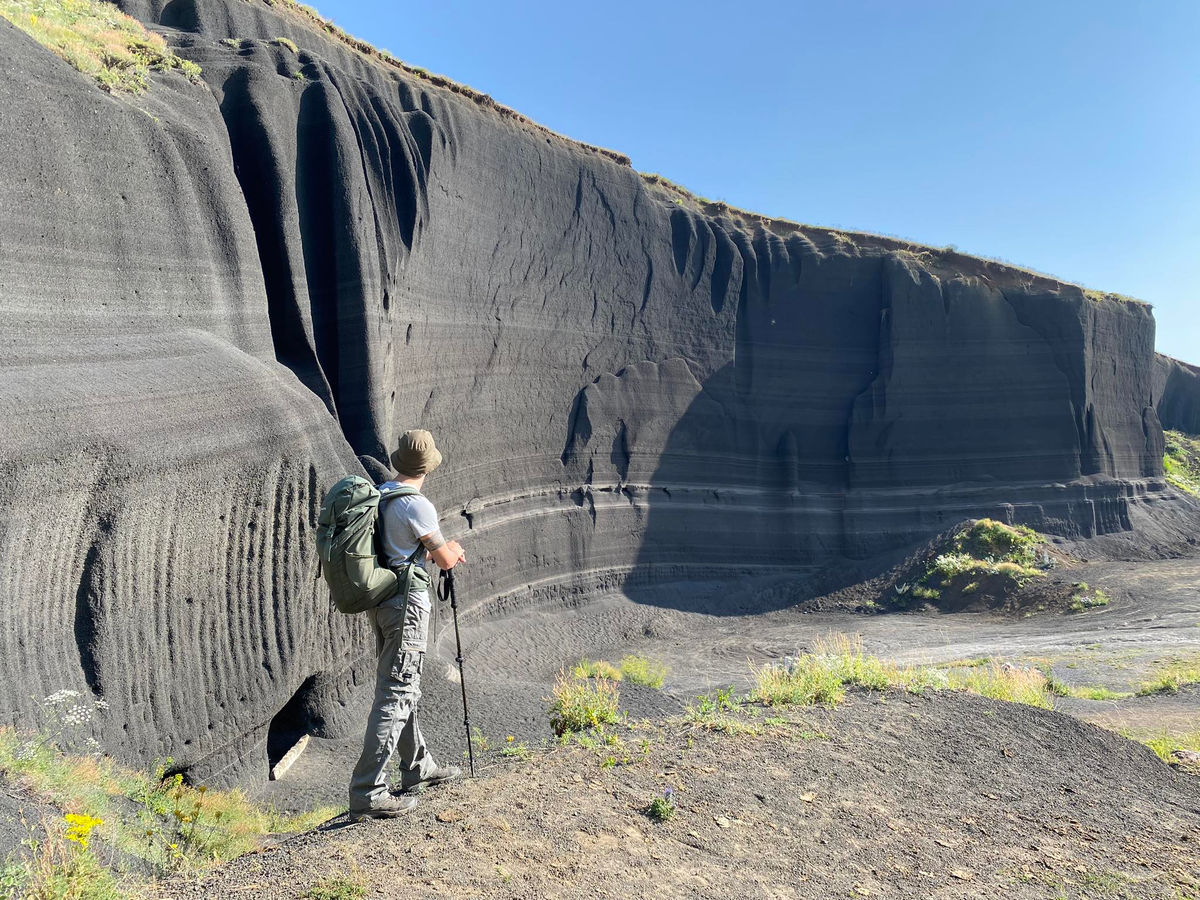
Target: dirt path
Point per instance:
(937, 796)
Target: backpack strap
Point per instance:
(410, 564)
(403, 490)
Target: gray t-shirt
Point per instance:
(403, 522)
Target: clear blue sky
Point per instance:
(1062, 135)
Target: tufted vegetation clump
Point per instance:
(985, 553)
(1181, 462)
(819, 678)
(579, 703)
(99, 40)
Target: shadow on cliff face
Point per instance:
(334, 176)
(727, 528)
(870, 404)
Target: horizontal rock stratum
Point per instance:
(218, 298)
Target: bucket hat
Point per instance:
(417, 454)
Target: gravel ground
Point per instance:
(936, 796)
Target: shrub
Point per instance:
(99, 40)
(661, 809)
(578, 704)
(1014, 543)
(1084, 599)
(951, 564)
(639, 670)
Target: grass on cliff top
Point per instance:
(99, 40)
(165, 825)
(1181, 462)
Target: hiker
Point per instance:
(409, 532)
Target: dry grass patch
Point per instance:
(634, 669)
(1001, 681)
(161, 822)
(99, 40)
(587, 668)
(820, 678)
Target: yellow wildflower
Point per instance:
(80, 829)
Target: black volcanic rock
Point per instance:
(1177, 394)
(217, 299)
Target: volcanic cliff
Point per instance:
(219, 298)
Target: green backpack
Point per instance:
(346, 546)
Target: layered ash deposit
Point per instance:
(219, 298)
(1177, 394)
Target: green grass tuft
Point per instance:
(1096, 692)
(99, 40)
(286, 43)
(639, 670)
(1005, 682)
(662, 809)
(923, 592)
(1171, 677)
(1165, 743)
(578, 704)
(1085, 598)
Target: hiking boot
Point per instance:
(440, 775)
(387, 808)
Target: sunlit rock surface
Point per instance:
(218, 299)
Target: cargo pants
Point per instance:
(401, 632)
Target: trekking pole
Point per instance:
(446, 592)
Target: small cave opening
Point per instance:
(290, 729)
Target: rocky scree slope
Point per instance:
(219, 298)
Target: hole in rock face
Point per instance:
(290, 724)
